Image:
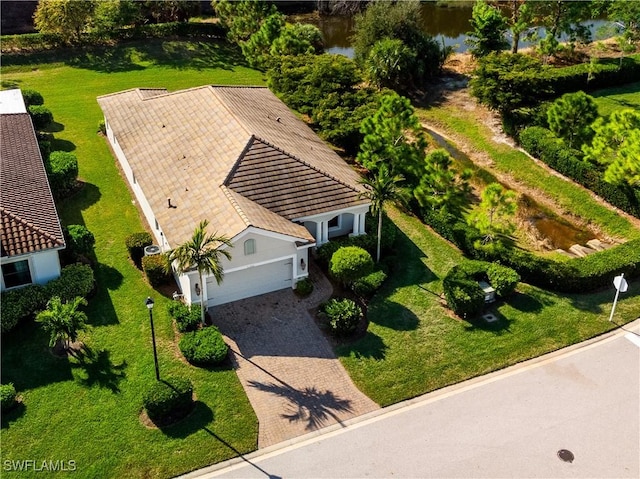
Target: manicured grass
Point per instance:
(413, 346)
(571, 198)
(618, 98)
(87, 411)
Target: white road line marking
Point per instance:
(634, 338)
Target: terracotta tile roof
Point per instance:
(184, 145)
(28, 216)
(287, 185)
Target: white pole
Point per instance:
(615, 300)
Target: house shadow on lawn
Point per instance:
(98, 369)
(101, 311)
(73, 206)
(27, 361)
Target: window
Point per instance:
(334, 223)
(249, 247)
(16, 274)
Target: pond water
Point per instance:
(558, 233)
(449, 25)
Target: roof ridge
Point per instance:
(212, 89)
(235, 205)
(315, 168)
(31, 226)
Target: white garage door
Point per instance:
(250, 282)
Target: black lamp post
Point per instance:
(149, 303)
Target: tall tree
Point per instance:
(518, 22)
(494, 216)
(242, 18)
(382, 187)
(114, 14)
(616, 146)
(489, 30)
(202, 252)
(393, 136)
(63, 321)
(441, 187)
(561, 17)
(257, 48)
(570, 117)
(68, 18)
(401, 21)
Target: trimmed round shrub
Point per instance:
(304, 287)
(168, 396)
(504, 280)
(155, 267)
(368, 285)
(343, 315)
(325, 251)
(62, 169)
(464, 297)
(75, 280)
(205, 346)
(41, 116)
(187, 318)
(7, 397)
(32, 97)
(136, 242)
(350, 263)
(79, 240)
(19, 304)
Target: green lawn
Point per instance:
(571, 198)
(87, 411)
(617, 98)
(413, 346)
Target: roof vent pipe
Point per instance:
(169, 205)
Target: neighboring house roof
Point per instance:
(28, 218)
(211, 150)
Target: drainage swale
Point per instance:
(565, 455)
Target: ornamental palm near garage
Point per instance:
(238, 157)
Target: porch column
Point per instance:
(319, 232)
(362, 217)
(325, 231)
(356, 224)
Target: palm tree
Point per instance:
(202, 253)
(381, 188)
(63, 321)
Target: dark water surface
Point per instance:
(448, 24)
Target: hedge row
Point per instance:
(544, 145)
(578, 275)
(605, 74)
(18, 304)
(34, 42)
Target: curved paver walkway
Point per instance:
(292, 378)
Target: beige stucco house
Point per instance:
(30, 231)
(238, 157)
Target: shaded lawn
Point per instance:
(87, 410)
(414, 346)
(617, 98)
(571, 198)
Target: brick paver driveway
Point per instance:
(292, 378)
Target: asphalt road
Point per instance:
(509, 424)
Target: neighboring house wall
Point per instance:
(43, 266)
(137, 191)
